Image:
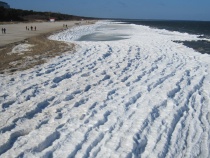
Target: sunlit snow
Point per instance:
(20, 49)
(139, 95)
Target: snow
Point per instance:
(139, 96)
(20, 49)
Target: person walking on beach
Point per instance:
(4, 30)
(31, 28)
(35, 28)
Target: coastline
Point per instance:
(110, 97)
(199, 28)
(41, 47)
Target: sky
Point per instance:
(126, 9)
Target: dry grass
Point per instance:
(42, 50)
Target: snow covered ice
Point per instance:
(139, 95)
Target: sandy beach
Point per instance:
(17, 32)
(40, 47)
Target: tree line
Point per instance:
(10, 14)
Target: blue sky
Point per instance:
(129, 9)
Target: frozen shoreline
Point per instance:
(141, 96)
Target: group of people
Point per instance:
(32, 28)
(3, 30)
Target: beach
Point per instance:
(19, 35)
(126, 90)
(16, 32)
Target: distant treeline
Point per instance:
(30, 15)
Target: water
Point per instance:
(201, 28)
(192, 27)
(113, 32)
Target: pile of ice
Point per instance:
(76, 32)
(145, 96)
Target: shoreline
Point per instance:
(17, 31)
(40, 48)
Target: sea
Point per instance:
(200, 28)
